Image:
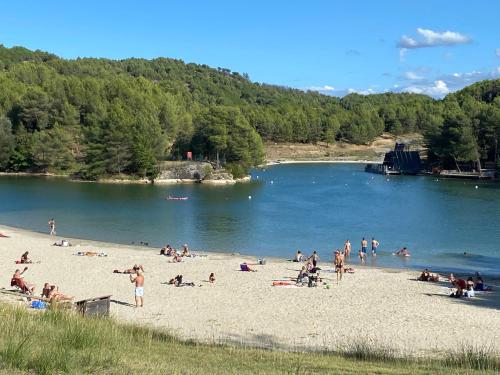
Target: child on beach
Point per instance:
(211, 278)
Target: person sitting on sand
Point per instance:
(25, 258)
(246, 268)
(302, 275)
(176, 258)
(185, 251)
(403, 252)
(18, 281)
(46, 290)
(298, 256)
(211, 278)
(167, 250)
(56, 296)
(479, 283)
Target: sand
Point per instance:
(386, 307)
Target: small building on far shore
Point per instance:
(398, 161)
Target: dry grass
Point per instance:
(57, 341)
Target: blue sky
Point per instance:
(335, 47)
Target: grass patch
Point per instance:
(55, 342)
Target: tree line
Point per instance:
(100, 117)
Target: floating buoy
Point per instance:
(314, 182)
(477, 187)
(387, 180)
(272, 182)
(249, 197)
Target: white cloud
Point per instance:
(430, 38)
(412, 76)
(324, 88)
(444, 84)
(438, 88)
(361, 92)
(497, 52)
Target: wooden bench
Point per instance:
(98, 306)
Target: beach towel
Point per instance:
(282, 283)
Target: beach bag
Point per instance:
(39, 305)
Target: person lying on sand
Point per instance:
(403, 252)
(62, 243)
(134, 269)
(246, 268)
(427, 276)
(18, 281)
(56, 296)
(91, 254)
(211, 278)
(177, 281)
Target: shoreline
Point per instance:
(306, 161)
(390, 299)
(124, 181)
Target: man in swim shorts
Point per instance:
(375, 245)
(138, 279)
(364, 246)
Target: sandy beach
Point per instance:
(387, 307)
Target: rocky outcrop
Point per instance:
(178, 172)
(184, 171)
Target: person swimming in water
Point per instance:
(403, 252)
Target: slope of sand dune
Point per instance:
(386, 307)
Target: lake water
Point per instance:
(299, 206)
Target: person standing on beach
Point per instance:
(52, 227)
(314, 258)
(138, 279)
(375, 245)
(347, 248)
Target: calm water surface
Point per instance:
(301, 206)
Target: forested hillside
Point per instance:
(100, 117)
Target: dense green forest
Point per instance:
(98, 117)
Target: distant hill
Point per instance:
(98, 117)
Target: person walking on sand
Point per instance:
(138, 279)
(52, 227)
(347, 248)
(375, 245)
(338, 262)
